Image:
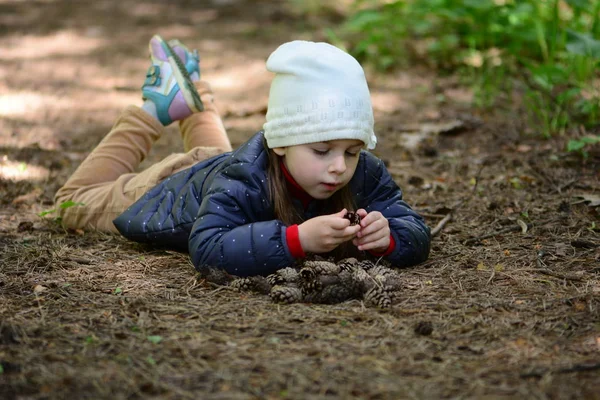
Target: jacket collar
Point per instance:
(294, 188)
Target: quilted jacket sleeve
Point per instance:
(408, 229)
(231, 232)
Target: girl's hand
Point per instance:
(325, 233)
(374, 234)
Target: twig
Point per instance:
(565, 370)
(79, 260)
(440, 225)
(549, 272)
(491, 276)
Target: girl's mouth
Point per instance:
(330, 186)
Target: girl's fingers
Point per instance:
(368, 240)
(361, 212)
(371, 227)
(373, 241)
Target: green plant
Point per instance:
(581, 144)
(61, 206)
(551, 48)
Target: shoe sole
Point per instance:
(190, 94)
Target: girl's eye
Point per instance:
(320, 152)
(351, 154)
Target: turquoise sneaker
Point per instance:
(168, 84)
(190, 59)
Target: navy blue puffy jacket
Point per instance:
(219, 210)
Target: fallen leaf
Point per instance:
(523, 148)
(39, 289)
(523, 226)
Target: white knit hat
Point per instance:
(319, 93)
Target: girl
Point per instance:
(281, 195)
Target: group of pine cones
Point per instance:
(320, 281)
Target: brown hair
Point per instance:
(286, 211)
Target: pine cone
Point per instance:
(309, 281)
(256, 284)
(215, 275)
(348, 264)
(362, 280)
(286, 294)
(393, 283)
(366, 264)
(283, 276)
(332, 294)
(383, 274)
(322, 267)
(348, 280)
(353, 217)
(377, 297)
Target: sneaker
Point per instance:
(190, 59)
(168, 84)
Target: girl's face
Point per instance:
(323, 168)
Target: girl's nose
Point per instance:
(338, 165)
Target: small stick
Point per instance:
(440, 225)
(549, 272)
(566, 370)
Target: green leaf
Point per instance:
(156, 339)
(583, 44)
(44, 213)
(590, 139)
(151, 360)
(69, 204)
(575, 145)
(118, 290)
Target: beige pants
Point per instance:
(106, 182)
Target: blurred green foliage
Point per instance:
(551, 48)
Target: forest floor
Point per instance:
(507, 306)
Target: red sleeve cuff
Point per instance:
(292, 237)
(388, 251)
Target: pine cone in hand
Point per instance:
(353, 217)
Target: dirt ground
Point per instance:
(508, 306)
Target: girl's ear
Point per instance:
(280, 151)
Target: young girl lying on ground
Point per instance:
(280, 196)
